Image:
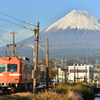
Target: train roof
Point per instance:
(9, 57)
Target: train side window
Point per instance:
(2, 67)
(12, 67)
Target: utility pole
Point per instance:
(77, 73)
(36, 32)
(13, 43)
(47, 64)
(74, 74)
(57, 75)
(66, 74)
(86, 73)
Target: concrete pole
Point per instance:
(13, 44)
(36, 31)
(74, 74)
(86, 72)
(77, 73)
(66, 77)
(47, 64)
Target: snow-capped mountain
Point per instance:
(77, 19)
(76, 30)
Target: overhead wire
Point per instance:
(16, 24)
(10, 30)
(26, 46)
(17, 19)
(2, 39)
(12, 23)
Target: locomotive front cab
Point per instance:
(9, 71)
(12, 67)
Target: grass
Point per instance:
(50, 95)
(17, 96)
(59, 92)
(79, 88)
(70, 95)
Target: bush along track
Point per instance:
(78, 90)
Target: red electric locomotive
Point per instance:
(15, 73)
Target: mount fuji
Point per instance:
(76, 32)
(76, 29)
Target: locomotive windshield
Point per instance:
(12, 67)
(2, 67)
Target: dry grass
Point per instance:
(79, 87)
(48, 96)
(60, 92)
(17, 96)
(71, 95)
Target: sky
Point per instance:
(47, 12)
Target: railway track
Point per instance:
(9, 92)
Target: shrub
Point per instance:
(80, 88)
(60, 91)
(63, 87)
(48, 96)
(88, 94)
(67, 92)
(71, 95)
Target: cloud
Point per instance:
(21, 34)
(7, 29)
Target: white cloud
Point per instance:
(6, 37)
(23, 34)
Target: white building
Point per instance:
(80, 72)
(60, 76)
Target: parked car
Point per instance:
(42, 84)
(54, 83)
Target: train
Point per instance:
(15, 73)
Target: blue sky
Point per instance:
(44, 11)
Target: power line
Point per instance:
(1, 39)
(17, 19)
(11, 22)
(16, 24)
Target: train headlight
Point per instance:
(7, 58)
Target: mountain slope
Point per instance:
(78, 30)
(77, 19)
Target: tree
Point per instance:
(52, 71)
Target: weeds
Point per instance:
(70, 95)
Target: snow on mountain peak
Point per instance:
(77, 19)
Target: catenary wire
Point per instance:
(17, 19)
(16, 24)
(9, 48)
